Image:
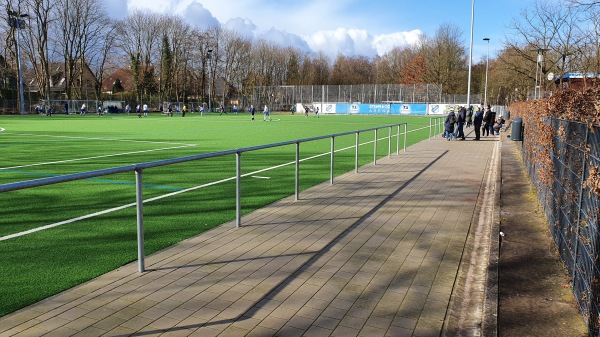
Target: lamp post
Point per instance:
(470, 55)
(537, 91)
(15, 20)
(208, 57)
(487, 66)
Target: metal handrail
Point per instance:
(140, 167)
(436, 126)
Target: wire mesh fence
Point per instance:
(572, 207)
(282, 98)
(279, 98)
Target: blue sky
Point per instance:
(350, 27)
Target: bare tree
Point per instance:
(585, 3)
(175, 62)
(404, 65)
(321, 69)
(352, 70)
(546, 32)
(101, 53)
(446, 59)
(138, 36)
(235, 50)
(81, 37)
(43, 15)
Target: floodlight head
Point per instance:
(486, 39)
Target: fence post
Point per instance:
(297, 171)
(140, 218)
(356, 153)
(375, 149)
(332, 155)
(238, 190)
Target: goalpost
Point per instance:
(71, 107)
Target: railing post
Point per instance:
(238, 190)
(398, 140)
(356, 153)
(430, 126)
(139, 198)
(375, 149)
(390, 143)
(297, 171)
(405, 135)
(332, 156)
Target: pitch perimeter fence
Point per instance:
(281, 98)
(572, 207)
(138, 169)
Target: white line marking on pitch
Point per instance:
(107, 139)
(259, 177)
(95, 157)
(250, 174)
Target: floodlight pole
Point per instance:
(15, 20)
(208, 57)
(470, 54)
(487, 66)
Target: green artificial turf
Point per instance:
(43, 263)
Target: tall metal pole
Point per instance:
(537, 63)
(208, 56)
(470, 54)
(16, 21)
(487, 67)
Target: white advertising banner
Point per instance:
(442, 109)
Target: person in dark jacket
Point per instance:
(469, 116)
(477, 121)
(487, 121)
(449, 124)
(492, 122)
(460, 122)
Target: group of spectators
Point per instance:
(484, 122)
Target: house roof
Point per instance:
(124, 75)
(57, 77)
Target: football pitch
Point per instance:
(57, 236)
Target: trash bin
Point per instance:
(516, 133)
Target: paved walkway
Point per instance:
(376, 254)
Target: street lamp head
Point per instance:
(486, 39)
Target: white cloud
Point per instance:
(301, 18)
(356, 42)
(386, 42)
(285, 39)
(244, 27)
(195, 14)
(162, 6)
